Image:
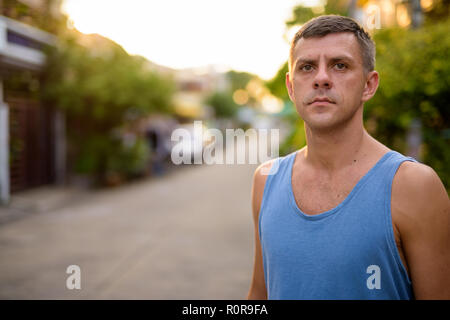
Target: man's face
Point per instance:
(327, 82)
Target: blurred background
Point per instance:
(91, 91)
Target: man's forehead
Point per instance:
(343, 43)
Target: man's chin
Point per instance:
(326, 125)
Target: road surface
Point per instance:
(186, 235)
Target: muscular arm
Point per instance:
(258, 287)
(421, 212)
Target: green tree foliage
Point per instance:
(102, 89)
(277, 85)
(222, 104)
(414, 69)
(439, 11)
(105, 156)
(41, 14)
(302, 14)
(238, 80)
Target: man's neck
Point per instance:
(335, 149)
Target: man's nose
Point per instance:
(322, 79)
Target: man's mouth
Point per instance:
(324, 99)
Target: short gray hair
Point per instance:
(323, 25)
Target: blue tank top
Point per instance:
(348, 252)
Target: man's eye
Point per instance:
(340, 66)
(306, 67)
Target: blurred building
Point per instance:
(193, 86)
(32, 140)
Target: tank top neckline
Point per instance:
(358, 185)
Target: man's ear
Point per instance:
(371, 85)
(289, 87)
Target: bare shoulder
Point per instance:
(418, 182)
(418, 190)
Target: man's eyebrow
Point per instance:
(305, 60)
(342, 58)
(301, 60)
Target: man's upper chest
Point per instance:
(317, 192)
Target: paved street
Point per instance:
(187, 235)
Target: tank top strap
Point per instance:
(390, 165)
(280, 171)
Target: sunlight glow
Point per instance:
(242, 35)
(240, 96)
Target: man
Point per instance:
(345, 217)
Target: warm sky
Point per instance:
(245, 35)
